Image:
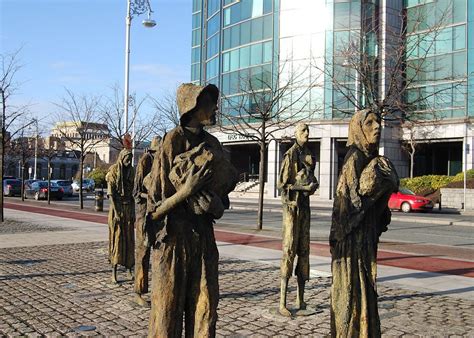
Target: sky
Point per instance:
(80, 45)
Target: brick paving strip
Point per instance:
(395, 259)
(55, 289)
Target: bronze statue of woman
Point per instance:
(360, 215)
(121, 212)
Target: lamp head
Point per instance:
(149, 23)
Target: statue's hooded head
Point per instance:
(155, 144)
(200, 100)
(364, 132)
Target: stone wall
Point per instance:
(454, 198)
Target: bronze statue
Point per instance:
(296, 183)
(143, 240)
(190, 182)
(360, 215)
(121, 211)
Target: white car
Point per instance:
(88, 184)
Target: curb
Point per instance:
(394, 218)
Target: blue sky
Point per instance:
(80, 45)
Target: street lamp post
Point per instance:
(134, 7)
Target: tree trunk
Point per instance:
(412, 160)
(49, 180)
(261, 178)
(81, 168)
(2, 150)
(23, 181)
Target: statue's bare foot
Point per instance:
(284, 311)
(140, 301)
(301, 305)
(113, 280)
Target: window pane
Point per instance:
(459, 64)
(444, 41)
(267, 6)
(267, 51)
(444, 67)
(226, 62)
(244, 57)
(226, 41)
(257, 29)
(195, 55)
(196, 20)
(257, 8)
(235, 36)
(213, 25)
(267, 27)
(459, 37)
(234, 60)
(341, 15)
(212, 7)
(459, 11)
(256, 54)
(245, 33)
(227, 16)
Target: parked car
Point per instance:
(66, 185)
(406, 201)
(39, 190)
(88, 184)
(12, 187)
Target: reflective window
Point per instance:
(212, 68)
(196, 20)
(195, 54)
(444, 41)
(256, 54)
(459, 11)
(213, 46)
(459, 37)
(197, 5)
(196, 37)
(195, 72)
(213, 25)
(212, 7)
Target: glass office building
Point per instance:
(272, 40)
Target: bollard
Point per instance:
(99, 201)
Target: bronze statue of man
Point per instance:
(190, 181)
(360, 215)
(121, 217)
(142, 240)
(296, 183)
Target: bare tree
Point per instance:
(264, 106)
(11, 113)
(167, 109)
(49, 149)
(22, 149)
(143, 126)
(393, 81)
(81, 127)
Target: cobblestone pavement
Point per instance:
(56, 289)
(10, 226)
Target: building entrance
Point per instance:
(245, 158)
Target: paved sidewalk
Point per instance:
(56, 288)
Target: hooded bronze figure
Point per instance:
(190, 181)
(360, 215)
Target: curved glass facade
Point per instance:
(437, 66)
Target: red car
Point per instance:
(406, 201)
